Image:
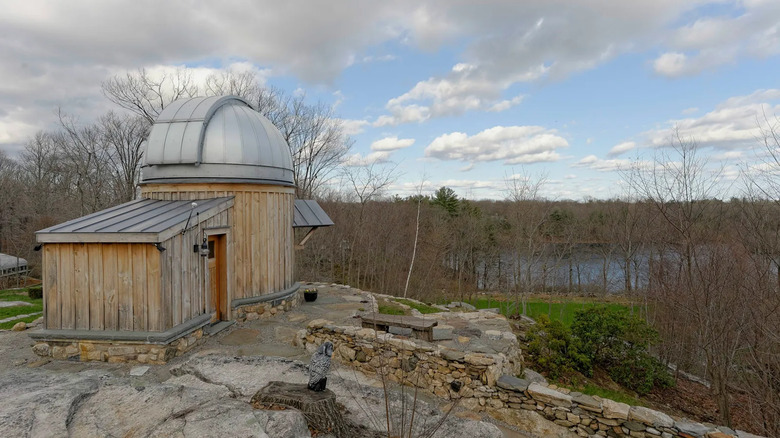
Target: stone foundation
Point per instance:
(486, 382)
(149, 352)
(118, 351)
(250, 312)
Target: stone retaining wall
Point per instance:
(486, 382)
(250, 312)
(151, 353)
(118, 351)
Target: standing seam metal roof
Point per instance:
(149, 217)
(309, 214)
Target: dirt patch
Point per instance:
(695, 401)
(241, 336)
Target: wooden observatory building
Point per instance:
(210, 239)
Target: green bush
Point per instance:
(35, 292)
(553, 350)
(618, 343)
(608, 338)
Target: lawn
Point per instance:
(18, 295)
(560, 308)
(390, 308)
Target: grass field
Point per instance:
(18, 295)
(561, 308)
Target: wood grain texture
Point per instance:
(125, 286)
(96, 288)
(153, 289)
(51, 290)
(139, 286)
(110, 281)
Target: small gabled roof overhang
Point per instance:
(308, 213)
(143, 221)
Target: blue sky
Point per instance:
(464, 94)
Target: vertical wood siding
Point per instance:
(134, 287)
(260, 248)
(101, 286)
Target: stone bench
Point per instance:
(421, 328)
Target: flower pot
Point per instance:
(310, 296)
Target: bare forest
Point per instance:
(700, 265)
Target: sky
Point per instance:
(467, 94)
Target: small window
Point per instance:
(211, 249)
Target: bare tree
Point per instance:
(529, 214)
(234, 83)
(416, 234)
(696, 280)
(365, 183)
(124, 136)
(146, 95)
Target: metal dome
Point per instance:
(215, 139)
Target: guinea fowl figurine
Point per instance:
(320, 364)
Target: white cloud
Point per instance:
(359, 160)
(510, 144)
(403, 114)
(57, 53)
(390, 144)
(353, 126)
(621, 148)
(506, 104)
(378, 58)
(689, 111)
(381, 150)
(733, 124)
(671, 64)
(709, 42)
(608, 165)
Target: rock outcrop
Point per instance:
(208, 396)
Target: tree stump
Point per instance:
(319, 408)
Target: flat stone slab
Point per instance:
(613, 409)
(691, 428)
(649, 416)
(512, 383)
(587, 402)
(139, 371)
(400, 331)
(14, 318)
(442, 332)
(14, 303)
(551, 396)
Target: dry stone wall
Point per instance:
(118, 352)
(486, 382)
(266, 309)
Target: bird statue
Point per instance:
(320, 364)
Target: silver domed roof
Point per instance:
(217, 139)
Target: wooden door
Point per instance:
(218, 275)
